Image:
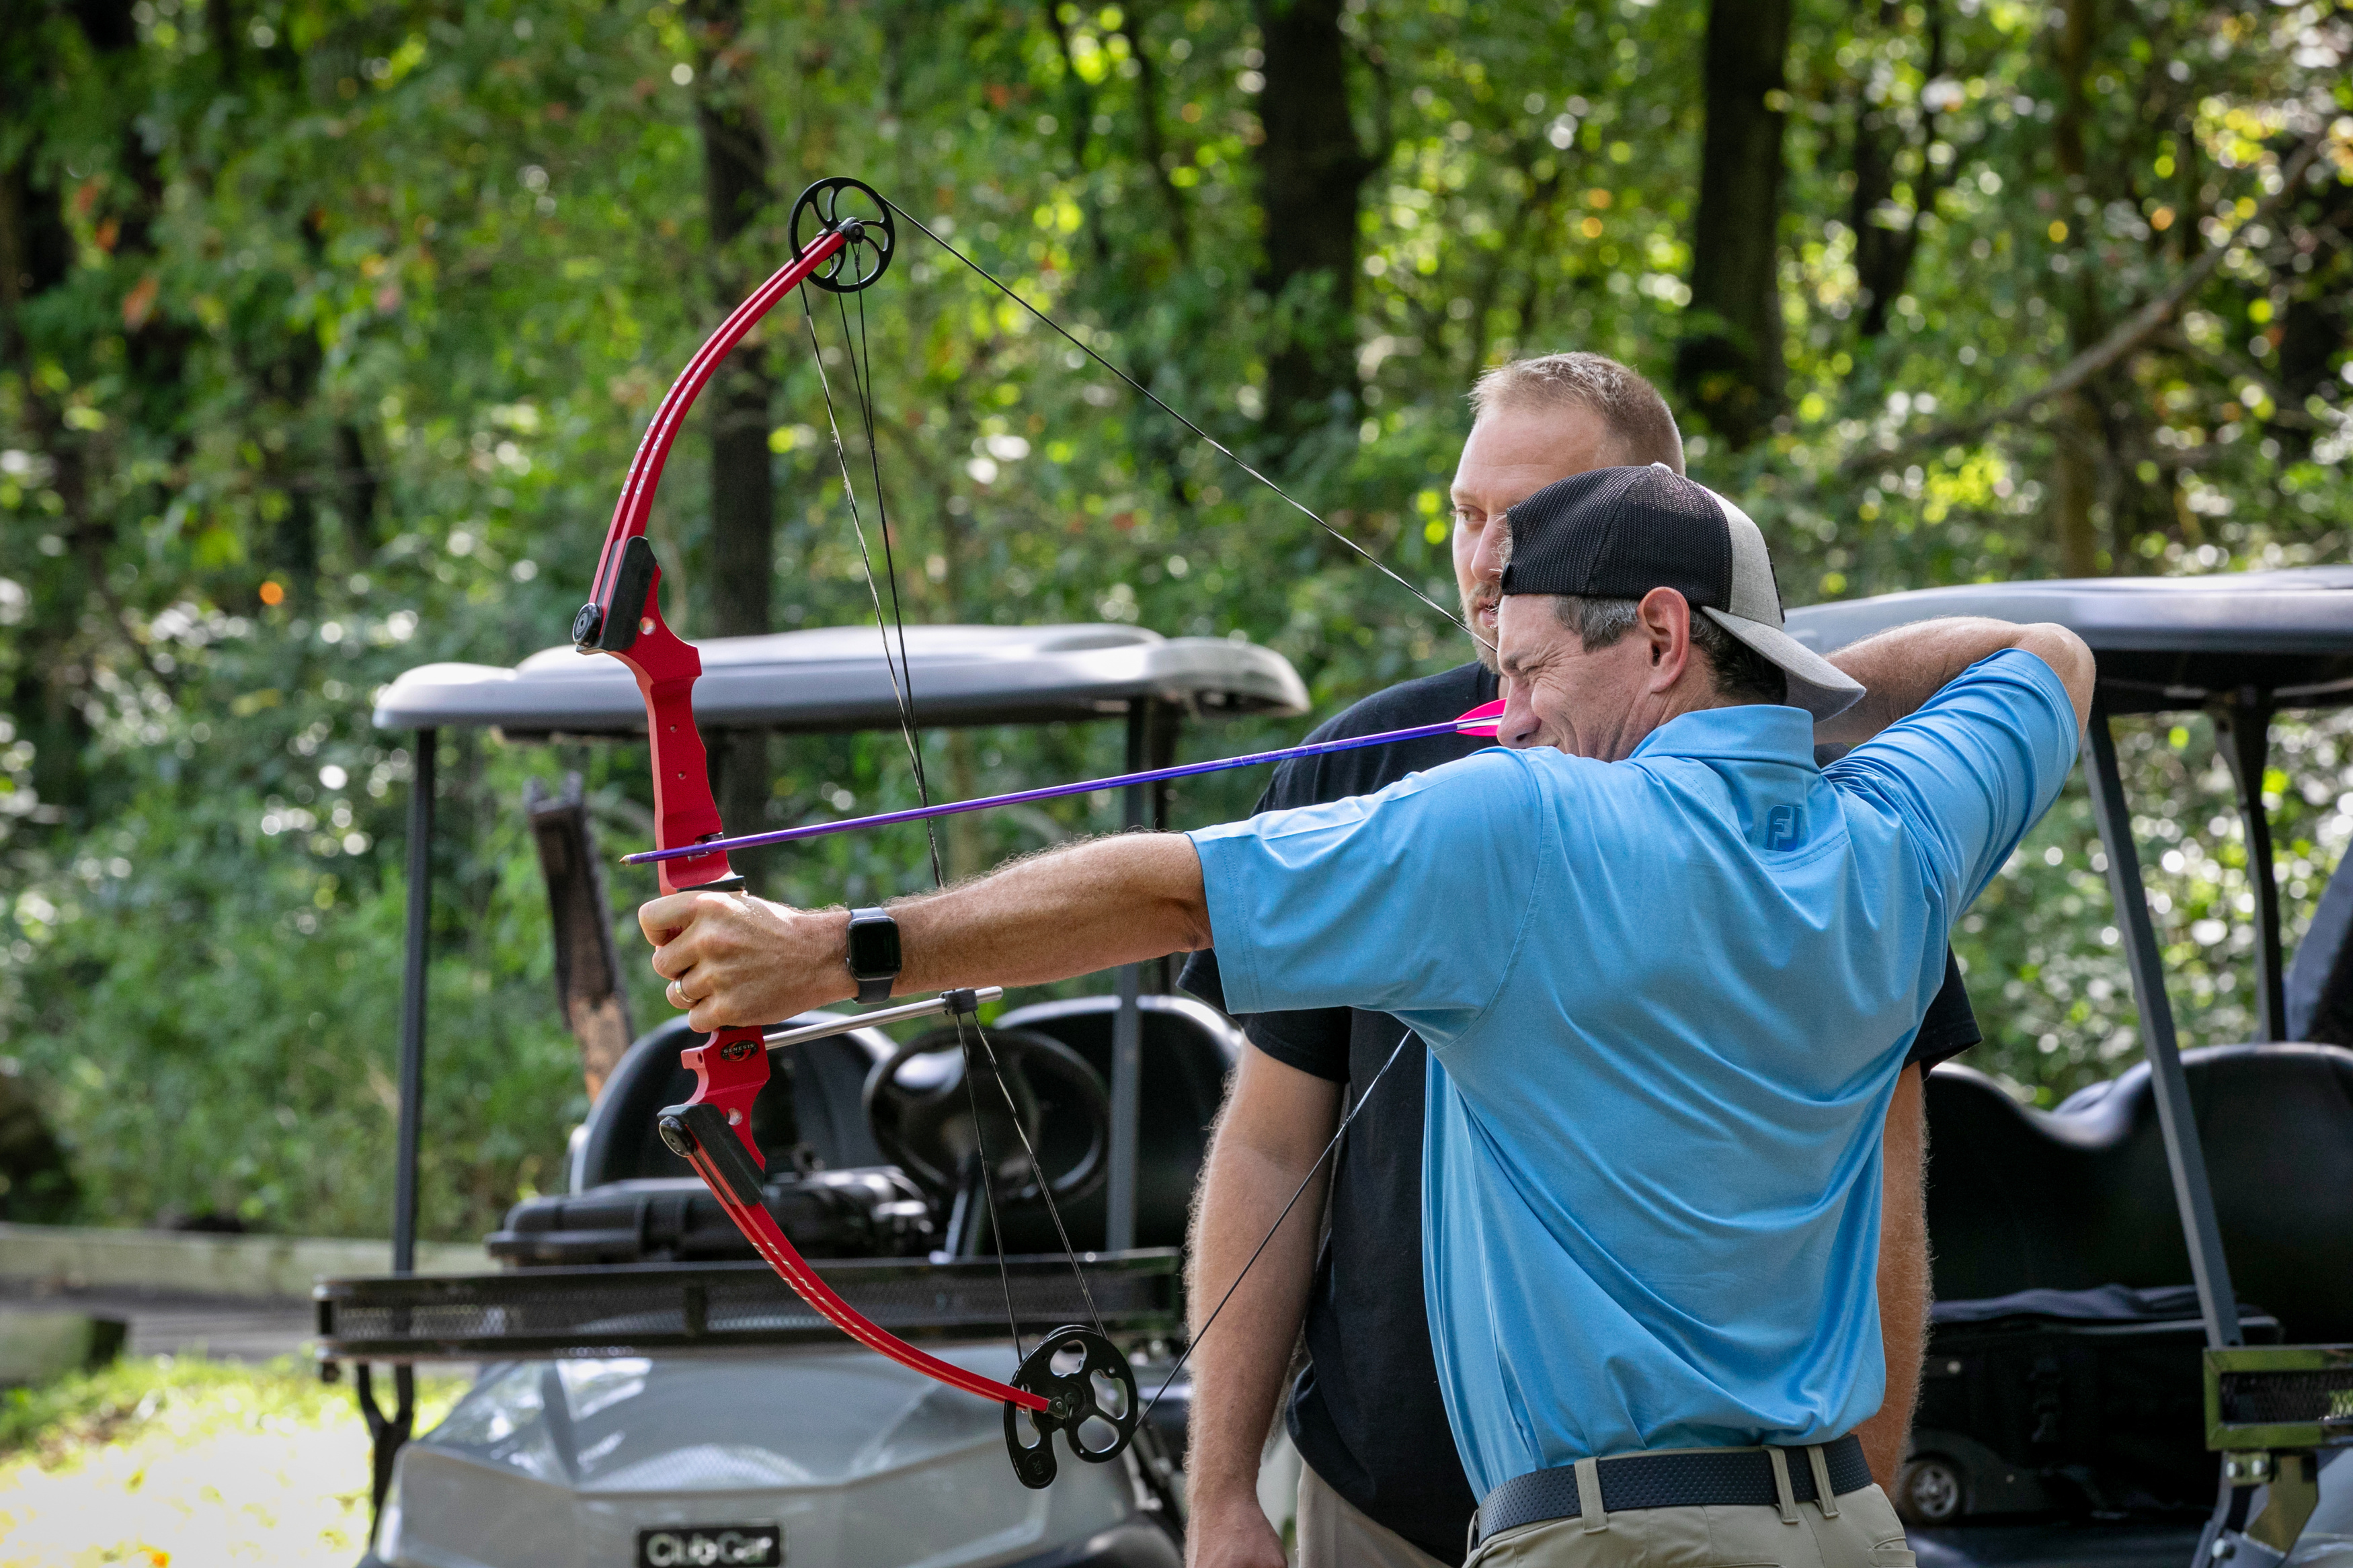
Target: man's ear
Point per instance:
(1663, 619)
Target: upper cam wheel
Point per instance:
(854, 207)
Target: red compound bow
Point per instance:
(845, 250)
(850, 243)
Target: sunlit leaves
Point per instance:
(346, 359)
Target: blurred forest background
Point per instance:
(326, 331)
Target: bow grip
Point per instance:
(729, 1070)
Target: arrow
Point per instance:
(1479, 720)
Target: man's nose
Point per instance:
(1518, 727)
(1487, 555)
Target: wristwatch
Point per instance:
(873, 954)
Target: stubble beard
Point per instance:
(1486, 596)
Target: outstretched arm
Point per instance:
(1905, 666)
(1071, 912)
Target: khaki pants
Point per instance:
(1864, 1533)
(1333, 1533)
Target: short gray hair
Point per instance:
(1630, 407)
(1742, 674)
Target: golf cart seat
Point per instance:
(633, 1201)
(2020, 1199)
(1188, 1050)
(820, 1080)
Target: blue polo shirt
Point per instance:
(1666, 1001)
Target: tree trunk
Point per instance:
(2079, 448)
(1731, 368)
(1150, 144)
(36, 258)
(357, 490)
(742, 484)
(1312, 172)
(1882, 251)
(2077, 451)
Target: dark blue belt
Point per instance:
(1721, 1476)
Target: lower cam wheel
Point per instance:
(1090, 1394)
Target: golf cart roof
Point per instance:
(834, 679)
(2163, 643)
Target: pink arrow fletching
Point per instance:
(1483, 719)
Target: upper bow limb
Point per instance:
(1072, 912)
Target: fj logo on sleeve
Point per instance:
(1783, 827)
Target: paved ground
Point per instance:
(230, 1328)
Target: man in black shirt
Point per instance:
(1382, 1486)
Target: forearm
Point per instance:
(1901, 668)
(1072, 912)
(1093, 906)
(1266, 1145)
(1904, 1281)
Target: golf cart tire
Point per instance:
(1931, 1490)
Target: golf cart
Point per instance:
(2147, 1294)
(648, 1390)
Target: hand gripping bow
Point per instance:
(844, 237)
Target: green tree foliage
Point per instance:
(329, 329)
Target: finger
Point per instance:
(684, 950)
(662, 919)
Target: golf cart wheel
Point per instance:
(1930, 1490)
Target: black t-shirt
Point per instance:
(1366, 1412)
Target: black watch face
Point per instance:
(873, 948)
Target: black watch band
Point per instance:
(873, 954)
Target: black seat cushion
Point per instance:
(872, 1213)
(817, 1105)
(2021, 1199)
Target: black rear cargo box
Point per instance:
(2072, 1402)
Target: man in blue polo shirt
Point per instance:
(1668, 969)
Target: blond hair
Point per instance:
(1630, 407)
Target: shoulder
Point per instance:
(2012, 700)
(1495, 783)
(1424, 701)
(1484, 787)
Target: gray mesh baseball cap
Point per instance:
(1616, 533)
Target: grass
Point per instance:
(182, 1462)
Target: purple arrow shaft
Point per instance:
(1466, 724)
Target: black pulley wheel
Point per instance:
(870, 237)
(1091, 1399)
(921, 1112)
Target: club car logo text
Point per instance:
(711, 1546)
